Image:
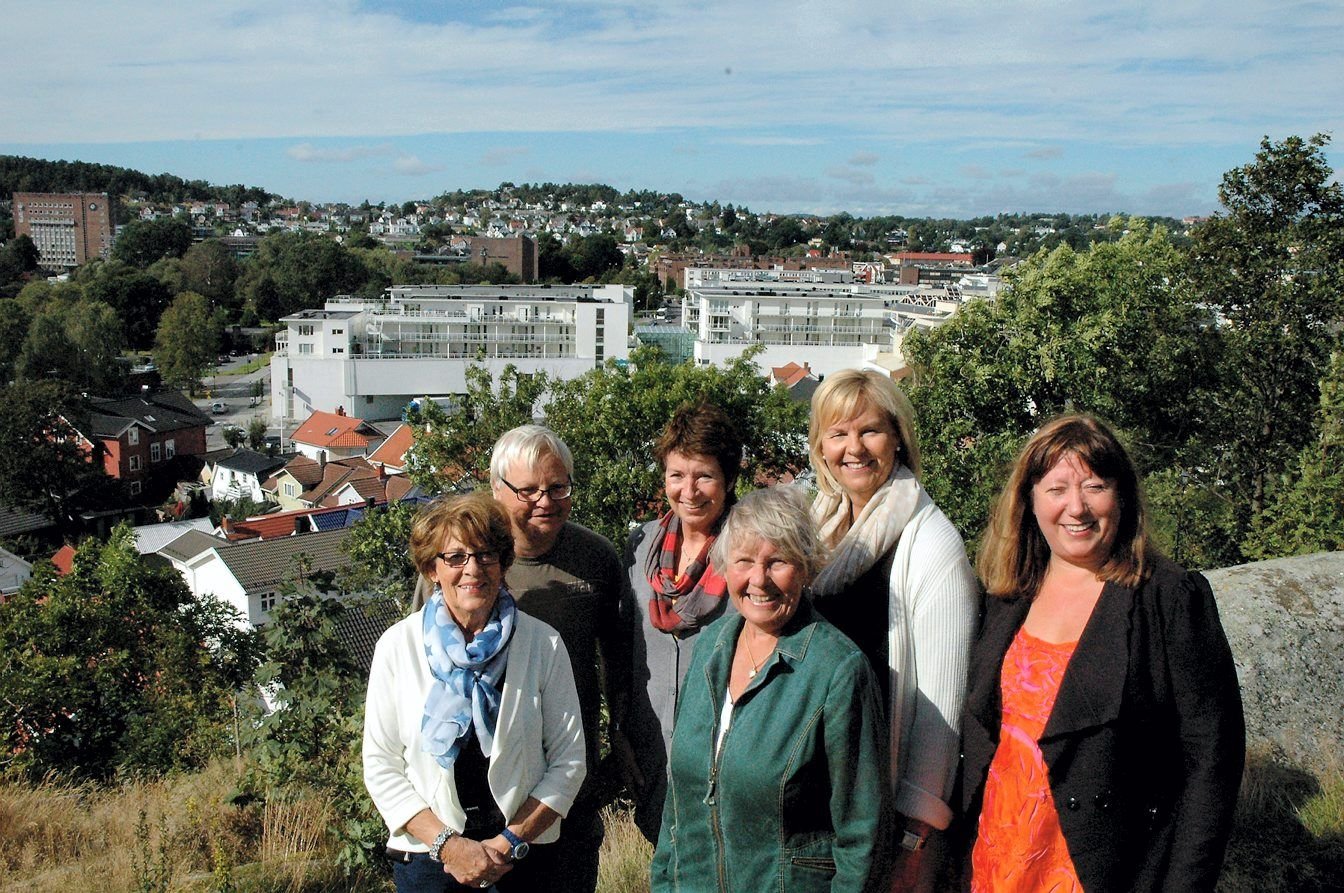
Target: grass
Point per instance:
(260, 361)
(182, 834)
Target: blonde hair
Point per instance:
(474, 518)
(844, 395)
(1014, 554)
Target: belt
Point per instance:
(402, 855)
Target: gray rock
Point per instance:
(1285, 621)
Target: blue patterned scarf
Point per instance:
(467, 677)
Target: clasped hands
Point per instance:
(477, 863)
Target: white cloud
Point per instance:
(307, 152)
(414, 167)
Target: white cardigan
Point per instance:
(538, 749)
(931, 612)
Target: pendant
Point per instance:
(751, 674)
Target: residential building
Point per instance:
(327, 436)
(144, 440)
(14, 572)
(825, 327)
(390, 457)
(68, 228)
(352, 481)
(671, 268)
(248, 576)
(241, 475)
(370, 358)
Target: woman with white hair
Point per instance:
(776, 775)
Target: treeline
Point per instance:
(21, 174)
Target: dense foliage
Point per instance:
(116, 669)
(20, 174)
(610, 418)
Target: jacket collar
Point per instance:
(1093, 685)
(791, 648)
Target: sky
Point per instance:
(945, 108)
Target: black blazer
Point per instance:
(1146, 740)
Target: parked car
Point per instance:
(219, 407)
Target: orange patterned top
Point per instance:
(1019, 847)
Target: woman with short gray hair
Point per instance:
(779, 729)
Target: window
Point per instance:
(133, 463)
(305, 348)
(306, 330)
(169, 449)
(291, 490)
(135, 488)
(338, 350)
(155, 452)
(269, 600)
(133, 436)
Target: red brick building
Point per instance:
(68, 228)
(143, 440)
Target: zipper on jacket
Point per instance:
(712, 801)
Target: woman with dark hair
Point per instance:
(473, 746)
(677, 588)
(1103, 731)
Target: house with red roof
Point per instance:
(390, 457)
(325, 436)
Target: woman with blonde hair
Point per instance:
(1103, 731)
(900, 586)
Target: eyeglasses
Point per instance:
(460, 559)
(534, 494)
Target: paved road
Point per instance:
(235, 392)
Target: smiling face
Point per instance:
(696, 489)
(764, 585)
(469, 591)
(1078, 513)
(536, 525)
(860, 452)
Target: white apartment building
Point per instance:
(830, 326)
(714, 277)
(372, 357)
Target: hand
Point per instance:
(905, 869)
(473, 863)
(625, 757)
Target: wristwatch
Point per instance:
(913, 841)
(436, 848)
(518, 848)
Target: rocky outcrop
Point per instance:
(1285, 621)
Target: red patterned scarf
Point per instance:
(681, 603)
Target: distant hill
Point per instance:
(20, 174)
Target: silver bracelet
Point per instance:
(436, 847)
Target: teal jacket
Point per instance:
(797, 799)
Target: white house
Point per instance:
(370, 358)
(14, 572)
(828, 326)
(249, 575)
(242, 474)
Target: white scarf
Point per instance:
(873, 534)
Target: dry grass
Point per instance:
(1289, 836)
(178, 834)
(624, 860)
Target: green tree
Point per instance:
(142, 242)
(116, 668)
(610, 417)
(1109, 331)
(379, 559)
(1272, 264)
(96, 335)
(256, 433)
(1305, 512)
(187, 342)
(294, 271)
(43, 467)
(138, 298)
(19, 321)
(234, 436)
(209, 268)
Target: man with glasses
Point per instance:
(570, 577)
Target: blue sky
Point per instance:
(953, 108)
